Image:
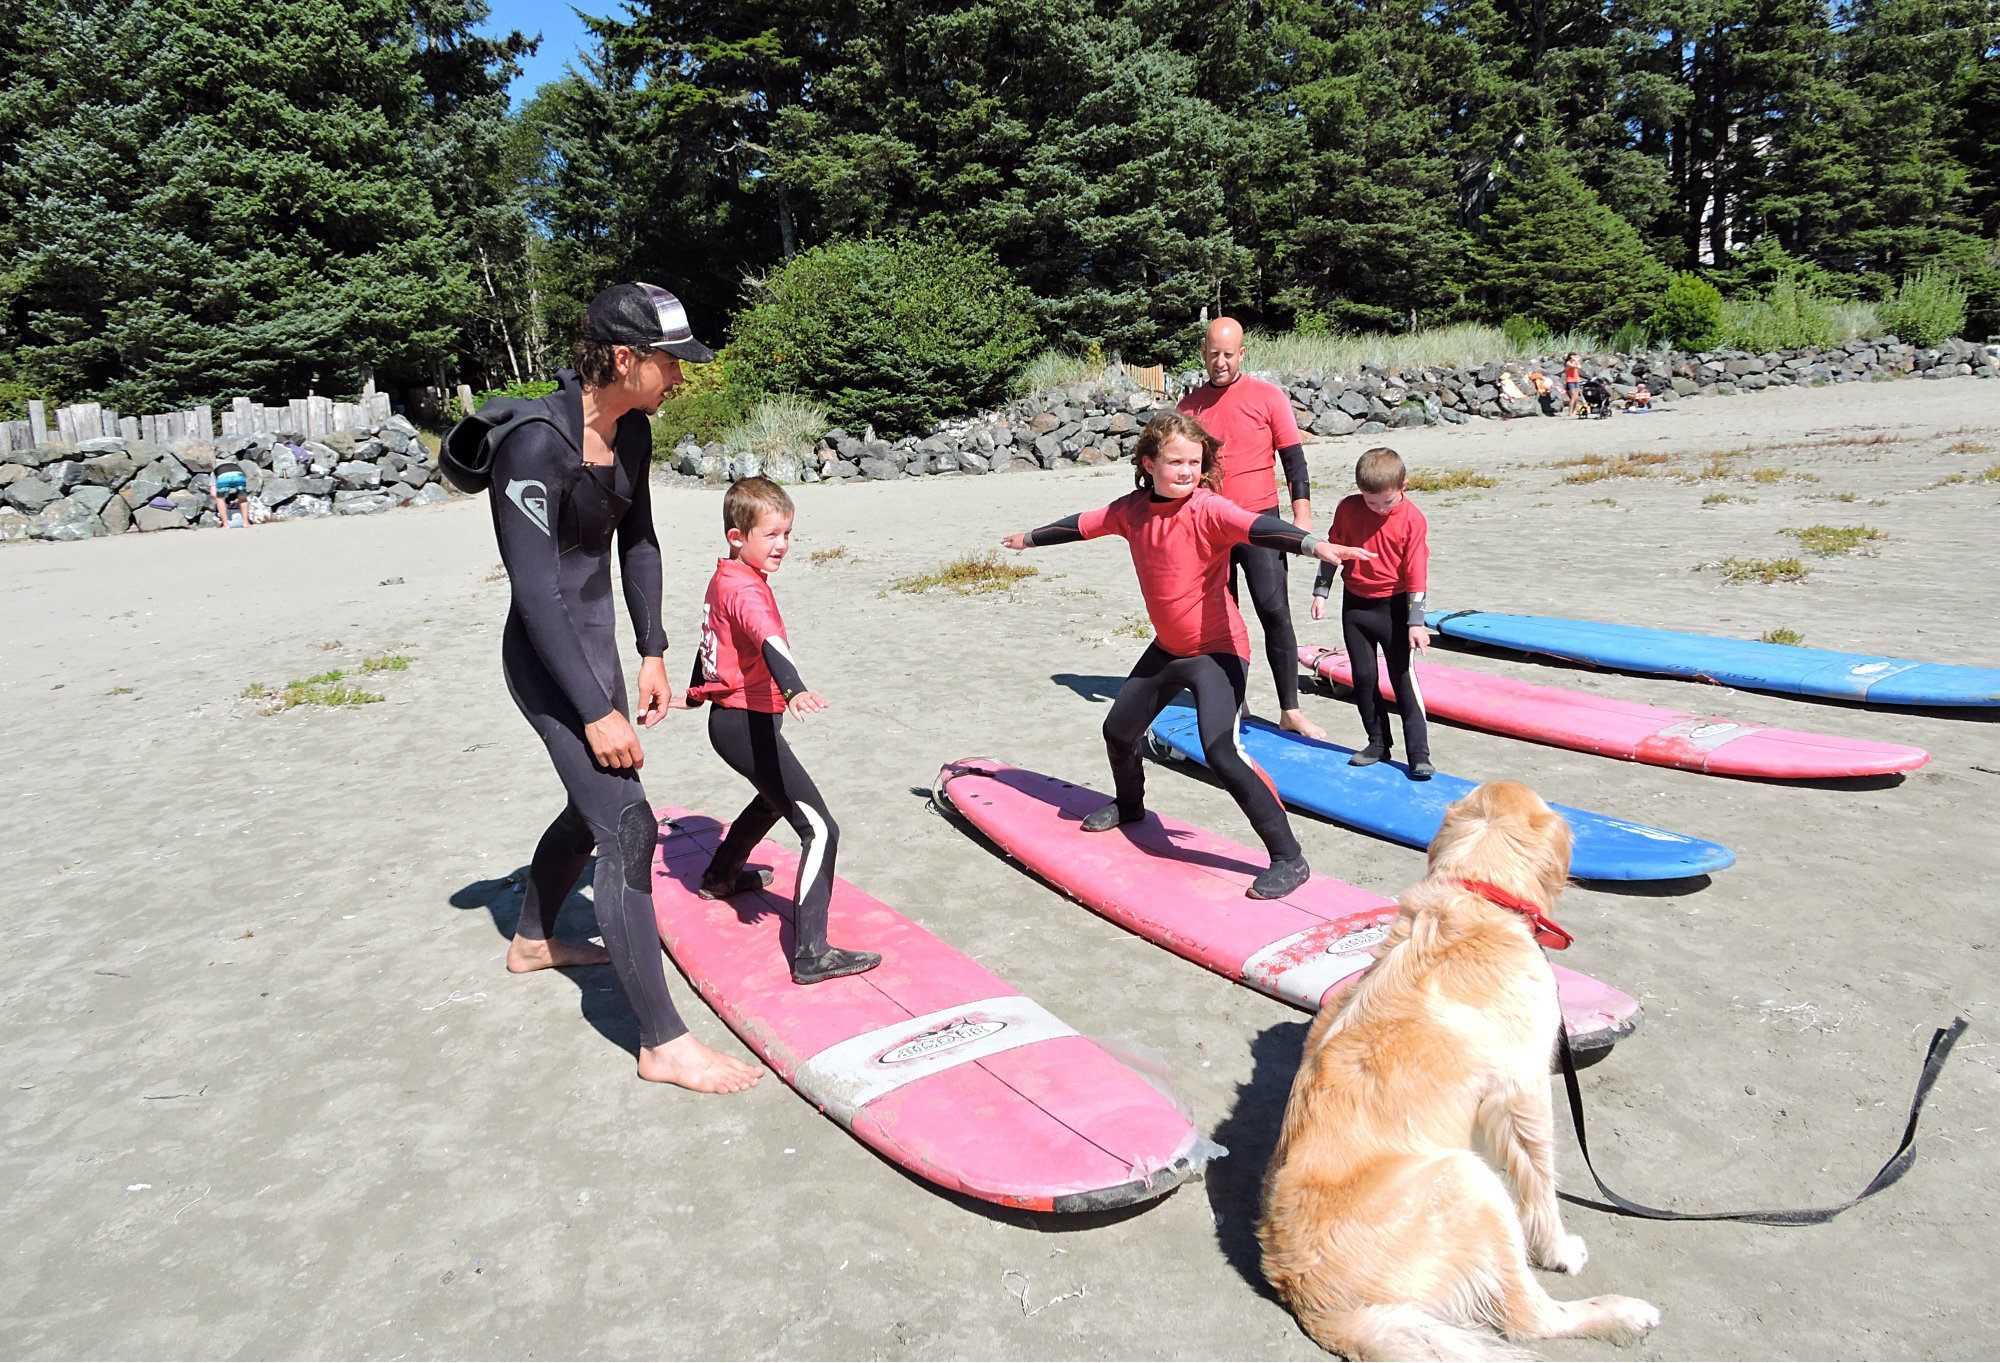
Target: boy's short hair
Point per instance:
(1163, 428)
(747, 501)
(1380, 470)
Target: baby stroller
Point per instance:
(1596, 394)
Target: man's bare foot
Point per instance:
(691, 1065)
(526, 953)
(1296, 721)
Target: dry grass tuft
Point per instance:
(1781, 635)
(1423, 480)
(970, 575)
(1828, 541)
(1761, 570)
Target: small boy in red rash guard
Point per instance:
(1180, 532)
(1382, 604)
(745, 667)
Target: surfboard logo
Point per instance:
(1367, 939)
(946, 1036)
(533, 499)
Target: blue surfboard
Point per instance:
(1748, 663)
(1382, 799)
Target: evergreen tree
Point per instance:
(1554, 252)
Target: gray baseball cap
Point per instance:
(643, 316)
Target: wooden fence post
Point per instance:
(38, 420)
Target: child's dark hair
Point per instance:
(1380, 470)
(748, 500)
(1163, 428)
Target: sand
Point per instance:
(269, 1093)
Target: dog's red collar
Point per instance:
(1548, 932)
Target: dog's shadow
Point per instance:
(599, 998)
(1250, 1131)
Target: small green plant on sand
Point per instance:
(1781, 635)
(325, 689)
(1134, 627)
(1763, 570)
(833, 555)
(119, 691)
(1718, 498)
(970, 575)
(1828, 541)
(387, 662)
(1592, 468)
(1451, 480)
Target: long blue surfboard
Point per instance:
(1748, 663)
(1382, 799)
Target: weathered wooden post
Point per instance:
(38, 420)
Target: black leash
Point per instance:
(1899, 1163)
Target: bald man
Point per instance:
(1253, 420)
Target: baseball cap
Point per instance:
(643, 316)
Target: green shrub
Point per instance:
(1789, 316)
(1631, 338)
(1689, 316)
(1525, 335)
(779, 425)
(711, 399)
(15, 397)
(1059, 369)
(1927, 307)
(893, 331)
(529, 389)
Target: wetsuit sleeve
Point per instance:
(529, 487)
(1297, 480)
(1274, 532)
(778, 658)
(1417, 568)
(639, 566)
(1065, 531)
(1323, 582)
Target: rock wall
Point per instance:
(1099, 422)
(115, 484)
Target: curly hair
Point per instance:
(595, 362)
(1163, 428)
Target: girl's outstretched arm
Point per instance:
(1065, 531)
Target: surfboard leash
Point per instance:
(1942, 1040)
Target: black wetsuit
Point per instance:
(555, 518)
(1266, 569)
(1218, 682)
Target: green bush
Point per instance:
(1631, 338)
(531, 388)
(895, 331)
(15, 397)
(713, 398)
(1525, 335)
(1927, 307)
(1689, 316)
(1789, 316)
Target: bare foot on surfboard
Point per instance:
(1296, 721)
(688, 1063)
(525, 954)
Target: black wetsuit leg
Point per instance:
(754, 746)
(1217, 681)
(607, 809)
(1268, 571)
(1368, 623)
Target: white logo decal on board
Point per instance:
(950, 1036)
(1365, 940)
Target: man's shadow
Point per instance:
(1250, 1131)
(599, 999)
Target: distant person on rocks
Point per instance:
(234, 507)
(1510, 389)
(1253, 420)
(562, 489)
(1544, 391)
(1573, 383)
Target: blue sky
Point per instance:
(562, 35)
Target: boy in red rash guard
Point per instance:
(1382, 605)
(745, 667)
(1180, 533)
(1253, 420)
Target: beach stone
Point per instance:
(879, 468)
(361, 502)
(150, 517)
(418, 474)
(278, 491)
(971, 461)
(92, 496)
(103, 444)
(783, 467)
(1048, 449)
(303, 507)
(402, 494)
(193, 454)
(170, 471)
(111, 469)
(430, 494)
(840, 470)
(356, 476)
(318, 455)
(116, 516)
(315, 485)
(1334, 422)
(63, 474)
(189, 505)
(69, 519)
(342, 443)
(401, 426)
(30, 495)
(9, 472)
(15, 526)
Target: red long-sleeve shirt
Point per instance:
(1400, 542)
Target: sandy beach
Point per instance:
(268, 1091)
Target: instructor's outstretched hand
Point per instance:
(614, 743)
(655, 695)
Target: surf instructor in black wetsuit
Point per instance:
(562, 490)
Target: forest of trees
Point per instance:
(200, 199)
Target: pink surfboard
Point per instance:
(930, 1060)
(1633, 732)
(1181, 887)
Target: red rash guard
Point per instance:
(738, 616)
(1253, 420)
(1180, 549)
(1400, 542)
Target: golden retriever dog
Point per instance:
(1383, 1228)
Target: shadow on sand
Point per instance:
(599, 1000)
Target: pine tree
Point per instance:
(1554, 252)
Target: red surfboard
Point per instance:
(1633, 732)
(930, 1060)
(1181, 887)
